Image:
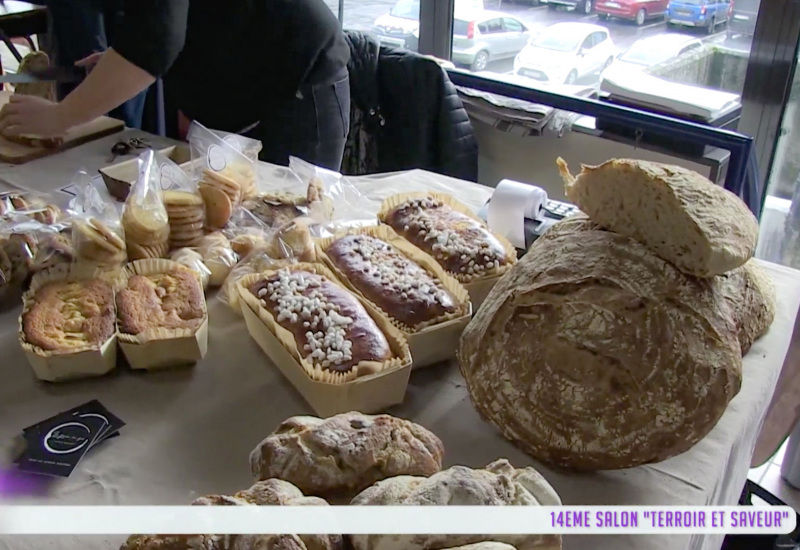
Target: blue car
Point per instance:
(705, 14)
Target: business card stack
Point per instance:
(56, 445)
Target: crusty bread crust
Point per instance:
(338, 457)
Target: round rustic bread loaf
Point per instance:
(683, 217)
(748, 289)
(751, 297)
(499, 484)
(593, 353)
(338, 457)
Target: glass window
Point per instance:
(492, 26)
(779, 235)
(512, 25)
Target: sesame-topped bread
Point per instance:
(684, 218)
(395, 283)
(331, 328)
(170, 300)
(70, 316)
(461, 244)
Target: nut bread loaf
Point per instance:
(499, 484)
(337, 457)
(683, 217)
(593, 353)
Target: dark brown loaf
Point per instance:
(593, 353)
(392, 281)
(330, 327)
(462, 245)
(338, 457)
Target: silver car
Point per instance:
(484, 36)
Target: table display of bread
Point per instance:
(615, 341)
(387, 461)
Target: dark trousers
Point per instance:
(313, 127)
(81, 28)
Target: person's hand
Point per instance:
(30, 115)
(89, 62)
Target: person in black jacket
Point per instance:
(275, 70)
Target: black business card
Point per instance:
(56, 445)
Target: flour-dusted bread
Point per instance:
(593, 353)
(499, 484)
(683, 217)
(485, 545)
(270, 492)
(751, 295)
(338, 457)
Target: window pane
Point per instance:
(654, 48)
(393, 22)
(779, 238)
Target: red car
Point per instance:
(635, 10)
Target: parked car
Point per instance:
(583, 6)
(705, 14)
(743, 18)
(400, 27)
(486, 36)
(651, 51)
(635, 10)
(565, 52)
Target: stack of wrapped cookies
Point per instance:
(221, 195)
(97, 243)
(186, 213)
(146, 232)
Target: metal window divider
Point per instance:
(741, 177)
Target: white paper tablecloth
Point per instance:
(190, 432)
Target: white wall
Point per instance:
(533, 159)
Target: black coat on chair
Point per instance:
(405, 114)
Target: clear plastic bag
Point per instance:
(18, 248)
(257, 261)
(192, 259)
(185, 207)
(218, 256)
(144, 217)
(220, 162)
(14, 202)
(96, 229)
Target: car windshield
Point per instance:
(460, 28)
(406, 9)
(645, 54)
(558, 41)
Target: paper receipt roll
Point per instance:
(511, 203)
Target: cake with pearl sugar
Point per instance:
(442, 227)
(333, 334)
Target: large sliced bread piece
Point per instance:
(701, 228)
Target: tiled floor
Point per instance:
(769, 477)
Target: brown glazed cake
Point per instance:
(391, 280)
(68, 316)
(462, 245)
(330, 327)
(170, 300)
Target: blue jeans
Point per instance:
(81, 28)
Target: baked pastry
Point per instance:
(276, 209)
(684, 218)
(461, 243)
(170, 300)
(221, 195)
(35, 61)
(499, 484)
(95, 242)
(308, 452)
(292, 241)
(51, 250)
(146, 231)
(593, 353)
(398, 285)
(186, 213)
(67, 317)
(331, 329)
(271, 492)
(485, 545)
(194, 261)
(751, 296)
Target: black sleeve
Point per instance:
(310, 34)
(151, 33)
